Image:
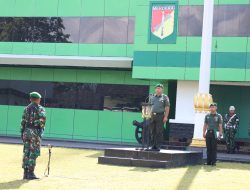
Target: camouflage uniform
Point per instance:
(32, 127)
(231, 124)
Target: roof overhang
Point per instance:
(66, 61)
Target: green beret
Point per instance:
(35, 95)
(159, 85)
(213, 104)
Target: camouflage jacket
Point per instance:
(33, 117)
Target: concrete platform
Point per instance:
(154, 159)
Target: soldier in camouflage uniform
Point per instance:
(231, 123)
(32, 127)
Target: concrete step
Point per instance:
(172, 147)
(132, 157)
(133, 162)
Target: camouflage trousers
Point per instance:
(31, 148)
(230, 139)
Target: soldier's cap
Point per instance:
(35, 95)
(159, 86)
(231, 108)
(213, 104)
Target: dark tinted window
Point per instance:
(23, 28)
(75, 95)
(91, 30)
(4, 92)
(19, 92)
(183, 20)
(229, 20)
(94, 30)
(195, 19)
(68, 29)
(115, 30)
(6, 28)
(45, 29)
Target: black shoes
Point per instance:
(31, 176)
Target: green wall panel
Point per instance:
(128, 130)
(144, 72)
(109, 127)
(194, 44)
(233, 1)
(67, 49)
(142, 20)
(192, 73)
(141, 44)
(69, 7)
(225, 74)
(48, 122)
(90, 49)
(3, 119)
(181, 45)
(88, 76)
(231, 44)
(20, 73)
(129, 80)
(231, 60)
(193, 59)
(6, 7)
(5, 73)
(247, 74)
(116, 8)
(90, 8)
(6, 47)
(130, 50)
(24, 7)
(22, 48)
(14, 120)
(85, 124)
(42, 74)
(170, 73)
(110, 77)
(114, 50)
(171, 59)
(46, 8)
(66, 75)
(62, 123)
(132, 8)
(44, 48)
(146, 59)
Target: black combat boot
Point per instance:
(25, 173)
(31, 175)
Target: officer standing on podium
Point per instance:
(160, 111)
(212, 124)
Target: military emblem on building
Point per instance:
(162, 23)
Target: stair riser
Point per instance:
(153, 155)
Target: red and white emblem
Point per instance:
(162, 23)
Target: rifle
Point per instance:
(48, 166)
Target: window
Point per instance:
(115, 30)
(91, 30)
(87, 96)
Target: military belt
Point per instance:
(162, 113)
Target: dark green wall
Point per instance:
(238, 96)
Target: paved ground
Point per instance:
(101, 146)
(78, 169)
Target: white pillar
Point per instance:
(205, 64)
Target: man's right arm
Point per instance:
(204, 130)
(23, 123)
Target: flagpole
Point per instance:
(203, 98)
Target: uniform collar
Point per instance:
(157, 96)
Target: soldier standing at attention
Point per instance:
(231, 123)
(32, 127)
(160, 112)
(212, 124)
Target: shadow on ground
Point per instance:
(15, 184)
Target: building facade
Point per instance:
(94, 62)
